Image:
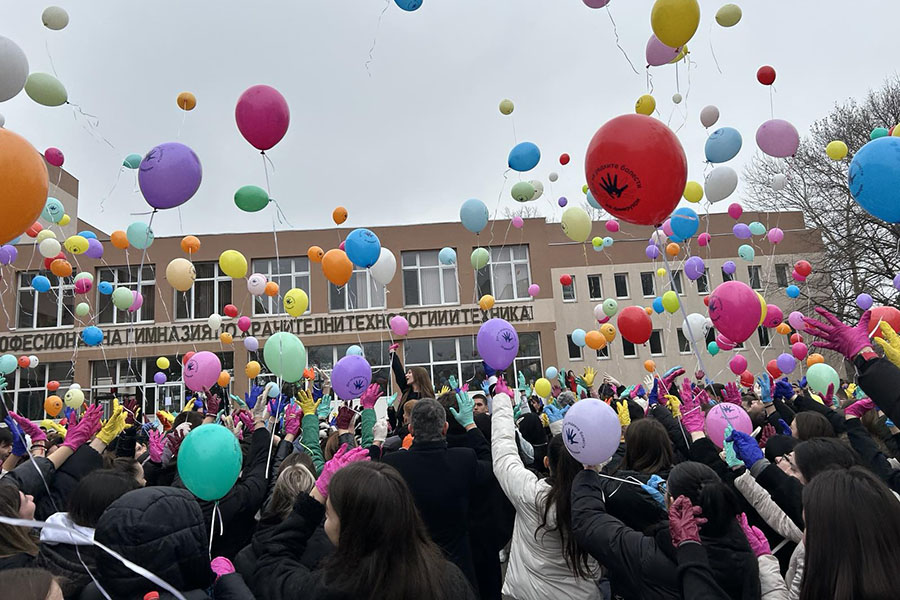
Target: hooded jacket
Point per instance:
(62, 554)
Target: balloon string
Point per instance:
(183, 120)
(112, 189)
(387, 5)
(618, 45)
(713, 50)
(771, 102)
(50, 56)
(684, 313)
(212, 526)
(91, 125)
(499, 200)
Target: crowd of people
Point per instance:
(465, 493)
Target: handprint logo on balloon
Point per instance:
(507, 339)
(610, 184)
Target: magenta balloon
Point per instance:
(612, 226)
(159, 378)
(534, 289)
(498, 343)
(737, 364)
(518, 222)
(351, 376)
(775, 235)
(95, 248)
(735, 310)
(54, 156)
(244, 323)
(799, 350)
(795, 320)
(591, 431)
(798, 277)
(721, 416)
(723, 342)
(694, 268)
(262, 116)
(735, 210)
(596, 3)
(774, 316)
(786, 363)
(138, 301)
(201, 371)
(83, 286)
(778, 138)
(399, 325)
(659, 54)
(169, 175)
(703, 239)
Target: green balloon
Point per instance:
(712, 348)
(820, 376)
(523, 191)
(610, 307)
(46, 89)
(480, 258)
(209, 461)
(285, 356)
(132, 161)
(82, 309)
(251, 198)
(878, 132)
(122, 298)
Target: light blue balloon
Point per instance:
(524, 157)
(607, 242)
(105, 288)
(132, 161)
(88, 234)
(15, 241)
(92, 336)
(409, 5)
(362, 247)
(658, 307)
(40, 284)
(53, 211)
(757, 228)
(578, 337)
(474, 215)
(723, 145)
(597, 248)
(274, 391)
(792, 291)
(747, 252)
(354, 350)
(593, 201)
(551, 373)
(684, 223)
(447, 256)
(139, 235)
(873, 177)
(8, 364)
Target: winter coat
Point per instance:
(786, 491)
(62, 554)
(880, 380)
(757, 496)
(537, 568)
(18, 561)
(771, 583)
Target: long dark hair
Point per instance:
(812, 425)
(648, 448)
(374, 504)
(13, 539)
(95, 492)
(563, 469)
(421, 380)
(853, 556)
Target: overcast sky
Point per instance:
(423, 133)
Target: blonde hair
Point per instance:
(292, 481)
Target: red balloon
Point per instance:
(747, 379)
(49, 261)
(706, 300)
(187, 356)
(888, 314)
(803, 267)
(634, 324)
(34, 230)
(636, 169)
(796, 338)
(566, 279)
(766, 75)
(52, 386)
(563, 159)
(231, 310)
(24, 362)
(772, 368)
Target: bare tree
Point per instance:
(525, 210)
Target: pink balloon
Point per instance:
(735, 210)
(518, 222)
(778, 138)
(244, 323)
(399, 325)
(667, 227)
(775, 235)
(737, 364)
(799, 350)
(774, 316)
(703, 239)
(138, 301)
(201, 371)
(533, 290)
(54, 156)
(723, 342)
(262, 116)
(798, 277)
(735, 310)
(612, 226)
(721, 416)
(659, 54)
(605, 319)
(83, 286)
(795, 320)
(596, 3)
(341, 245)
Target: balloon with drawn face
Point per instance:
(362, 247)
(53, 211)
(169, 175)
(295, 302)
(74, 398)
(256, 284)
(202, 371)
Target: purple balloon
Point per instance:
(562, 201)
(786, 363)
(694, 268)
(778, 138)
(592, 431)
(864, 301)
(159, 378)
(251, 344)
(652, 253)
(95, 248)
(8, 254)
(897, 281)
(498, 344)
(729, 267)
(351, 376)
(775, 235)
(169, 175)
(741, 231)
(596, 3)
(795, 320)
(659, 54)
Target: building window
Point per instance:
(568, 291)
(621, 280)
(703, 282)
(656, 343)
(603, 353)
(52, 308)
(755, 279)
(684, 345)
(595, 287)
(574, 349)
(211, 291)
(781, 274)
(628, 349)
(361, 293)
(648, 284)
(727, 276)
(325, 357)
(28, 388)
(676, 277)
(763, 334)
(507, 276)
(426, 282)
(288, 273)
(710, 335)
(126, 277)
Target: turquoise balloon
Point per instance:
(712, 348)
(132, 161)
(53, 211)
(820, 376)
(747, 252)
(8, 364)
(139, 235)
(878, 132)
(285, 356)
(209, 461)
(757, 228)
(354, 350)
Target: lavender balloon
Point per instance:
(95, 249)
(729, 267)
(159, 378)
(592, 431)
(498, 344)
(652, 253)
(778, 138)
(251, 344)
(741, 231)
(897, 281)
(169, 175)
(351, 376)
(8, 254)
(795, 320)
(694, 268)
(659, 54)
(864, 301)
(786, 363)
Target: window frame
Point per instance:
(111, 274)
(512, 262)
(625, 344)
(599, 280)
(218, 278)
(59, 289)
(757, 269)
(781, 272)
(19, 385)
(662, 343)
(679, 282)
(344, 290)
(705, 279)
(570, 287)
(683, 338)
(570, 345)
(652, 280)
(727, 276)
(627, 286)
(418, 267)
(605, 353)
(760, 330)
(276, 303)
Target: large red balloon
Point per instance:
(636, 169)
(634, 324)
(888, 314)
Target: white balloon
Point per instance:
(385, 267)
(694, 327)
(13, 69)
(659, 238)
(55, 18)
(552, 177)
(49, 248)
(720, 183)
(538, 189)
(214, 321)
(778, 182)
(75, 386)
(709, 115)
(677, 98)
(33, 361)
(598, 312)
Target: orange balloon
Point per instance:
(61, 268)
(271, 289)
(649, 366)
(224, 379)
(190, 244)
(315, 254)
(119, 239)
(186, 101)
(24, 190)
(594, 340)
(337, 267)
(252, 369)
(339, 215)
(52, 405)
(609, 331)
(649, 310)
(673, 249)
(225, 337)
(814, 359)
(783, 328)
(34, 230)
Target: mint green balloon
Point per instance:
(140, 235)
(85, 275)
(480, 258)
(251, 198)
(132, 161)
(747, 252)
(523, 191)
(46, 89)
(285, 356)
(122, 298)
(757, 228)
(820, 376)
(82, 309)
(209, 461)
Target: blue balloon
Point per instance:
(362, 247)
(792, 291)
(874, 177)
(578, 337)
(551, 373)
(139, 235)
(354, 350)
(607, 242)
(105, 287)
(447, 256)
(524, 157)
(88, 234)
(684, 223)
(409, 5)
(92, 336)
(40, 284)
(474, 215)
(592, 201)
(723, 145)
(658, 305)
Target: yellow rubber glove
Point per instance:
(890, 344)
(51, 425)
(674, 405)
(588, 376)
(307, 404)
(444, 390)
(545, 420)
(113, 425)
(624, 415)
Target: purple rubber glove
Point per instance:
(731, 393)
(745, 447)
(859, 408)
(370, 396)
(764, 435)
(292, 415)
(758, 542)
(341, 459)
(34, 432)
(344, 417)
(174, 441)
(684, 521)
(837, 336)
(213, 403)
(85, 429)
(155, 446)
(221, 566)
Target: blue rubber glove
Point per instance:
(251, 397)
(785, 428)
(554, 414)
(465, 416)
(18, 445)
(765, 388)
(802, 382)
(276, 405)
(731, 458)
(888, 423)
(653, 399)
(454, 384)
(745, 448)
(784, 389)
(652, 487)
(640, 391)
(488, 371)
(198, 403)
(581, 391)
(316, 393)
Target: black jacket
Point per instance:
(871, 456)
(880, 380)
(63, 561)
(18, 561)
(695, 576)
(631, 504)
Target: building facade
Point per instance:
(440, 302)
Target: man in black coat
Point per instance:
(445, 481)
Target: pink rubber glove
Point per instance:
(837, 336)
(33, 431)
(828, 400)
(155, 446)
(859, 408)
(393, 347)
(247, 419)
(85, 429)
(685, 521)
(341, 459)
(764, 435)
(370, 396)
(732, 393)
(213, 402)
(670, 377)
(292, 415)
(501, 388)
(758, 542)
(691, 414)
(221, 566)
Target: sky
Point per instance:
(413, 134)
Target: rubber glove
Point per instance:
(252, 396)
(371, 396)
(393, 398)
(731, 458)
(18, 448)
(588, 376)
(684, 521)
(85, 429)
(624, 415)
(670, 376)
(652, 487)
(246, 418)
(859, 408)
(33, 431)
(341, 458)
(745, 447)
(307, 405)
(213, 402)
(785, 428)
(113, 425)
(166, 418)
(783, 389)
(837, 336)
(486, 387)
(653, 398)
(828, 400)
(764, 434)
(802, 383)
(155, 446)
(324, 407)
(379, 430)
(132, 411)
(674, 405)
(554, 414)
(765, 388)
(731, 393)
(50, 424)
(758, 542)
(522, 383)
(561, 376)
(454, 384)
(221, 566)
(344, 418)
(174, 439)
(292, 415)
(276, 405)
(502, 388)
(465, 415)
(692, 416)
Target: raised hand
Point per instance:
(745, 447)
(859, 408)
(370, 396)
(731, 393)
(671, 375)
(132, 411)
(758, 542)
(155, 445)
(554, 414)
(341, 459)
(685, 520)
(307, 404)
(454, 384)
(213, 404)
(114, 425)
(890, 342)
(765, 388)
(624, 415)
(837, 336)
(379, 431)
(465, 416)
(252, 396)
(502, 388)
(34, 432)
(345, 418)
(653, 398)
(783, 389)
(692, 416)
(174, 439)
(292, 415)
(588, 376)
(18, 448)
(324, 406)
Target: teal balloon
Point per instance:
(820, 376)
(139, 235)
(354, 350)
(53, 211)
(209, 461)
(480, 258)
(712, 348)
(285, 356)
(251, 198)
(132, 161)
(746, 252)
(684, 224)
(474, 215)
(593, 201)
(8, 364)
(122, 298)
(757, 228)
(878, 132)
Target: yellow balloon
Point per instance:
(729, 15)
(296, 302)
(693, 192)
(896, 131)
(252, 369)
(66, 219)
(684, 52)
(507, 106)
(542, 387)
(43, 234)
(180, 274)
(486, 302)
(645, 105)
(609, 331)
(837, 149)
(76, 244)
(233, 264)
(576, 224)
(584, 189)
(162, 362)
(661, 272)
(763, 306)
(670, 301)
(675, 21)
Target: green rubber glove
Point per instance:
(465, 416)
